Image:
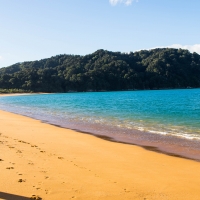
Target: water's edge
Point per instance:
(148, 147)
(164, 121)
(168, 145)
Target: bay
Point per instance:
(174, 112)
(161, 113)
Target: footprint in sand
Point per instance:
(47, 191)
(30, 163)
(125, 190)
(34, 146)
(60, 158)
(1, 159)
(22, 141)
(9, 167)
(21, 180)
(18, 151)
(36, 197)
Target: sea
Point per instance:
(167, 121)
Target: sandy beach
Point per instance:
(20, 94)
(42, 161)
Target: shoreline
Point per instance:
(20, 94)
(148, 146)
(165, 144)
(40, 160)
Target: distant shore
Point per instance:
(48, 162)
(19, 94)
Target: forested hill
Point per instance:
(106, 70)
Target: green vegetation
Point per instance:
(105, 70)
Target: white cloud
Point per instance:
(191, 48)
(126, 2)
(1, 57)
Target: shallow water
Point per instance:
(161, 113)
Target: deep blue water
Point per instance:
(166, 112)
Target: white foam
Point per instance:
(158, 132)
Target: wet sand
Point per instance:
(42, 161)
(166, 144)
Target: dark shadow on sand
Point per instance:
(8, 196)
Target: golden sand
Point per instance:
(19, 94)
(41, 161)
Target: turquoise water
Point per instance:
(163, 112)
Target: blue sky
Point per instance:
(36, 29)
